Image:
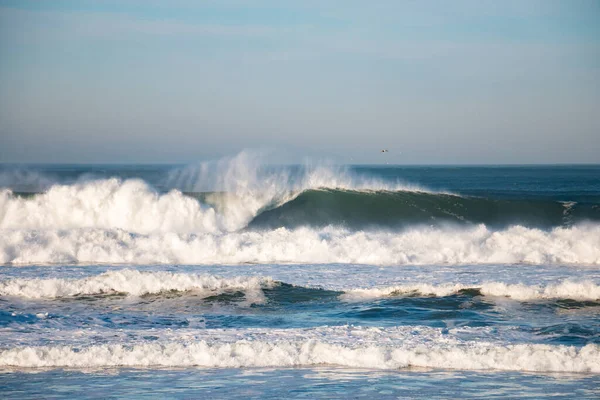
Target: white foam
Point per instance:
(243, 189)
(585, 290)
(130, 205)
(423, 245)
(134, 283)
(390, 348)
(137, 283)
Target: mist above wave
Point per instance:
(236, 190)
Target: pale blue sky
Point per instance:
(180, 81)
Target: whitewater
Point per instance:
(238, 213)
(238, 269)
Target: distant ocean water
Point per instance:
(238, 278)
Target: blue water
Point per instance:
(296, 383)
(233, 279)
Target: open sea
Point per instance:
(237, 279)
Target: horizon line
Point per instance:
(300, 164)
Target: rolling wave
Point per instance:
(235, 214)
(571, 290)
(479, 244)
(134, 206)
(137, 283)
(362, 209)
(381, 348)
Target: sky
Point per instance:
(434, 82)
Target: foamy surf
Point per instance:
(234, 191)
(135, 283)
(235, 265)
(130, 205)
(585, 290)
(138, 283)
(356, 347)
(577, 245)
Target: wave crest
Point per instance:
(367, 208)
(585, 290)
(226, 196)
(136, 283)
(139, 283)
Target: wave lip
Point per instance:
(384, 208)
(136, 283)
(391, 348)
(585, 290)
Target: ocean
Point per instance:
(237, 278)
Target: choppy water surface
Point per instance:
(295, 383)
(234, 278)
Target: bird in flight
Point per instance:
(384, 151)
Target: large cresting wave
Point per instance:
(385, 208)
(238, 193)
(134, 206)
(238, 211)
(214, 197)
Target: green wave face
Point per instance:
(362, 209)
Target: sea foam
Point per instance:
(137, 283)
(134, 283)
(584, 290)
(419, 245)
(235, 191)
(356, 347)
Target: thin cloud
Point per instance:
(115, 25)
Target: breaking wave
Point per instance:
(585, 290)
(241, 192)
(419, 245)
(139, 283)
(131, 205)
(134, 206)
(360, 209)
(390, 348)
(213, 197)
(237, 210)
(134, 283)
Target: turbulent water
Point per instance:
(231, 270)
